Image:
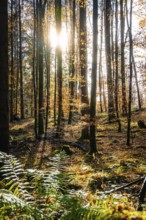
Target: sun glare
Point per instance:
(58, 40)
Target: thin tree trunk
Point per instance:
(12, 68)
(100, 64)
(58, 13)
(72, 61)
(20, 60)
(117, 69)
(47, 59)
(41, 69)
(33, 70)
(122, 19)
(136, 80)
(55, 91)
(104, 96)
(131, 70)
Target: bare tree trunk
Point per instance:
(34, 71)
(136, 80)
(83, 67)
(20, 60)
(47, 59)
(12, 68)
(122, 19)
(131, 70)
(58, 13)
(40, 65)
(117, 69)
(55, 91)
(107, 16)
(93, 80)
(72, 62)
(100, 64)
(4, 110)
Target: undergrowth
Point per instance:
(36, 194)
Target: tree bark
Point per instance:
(124, 99)
(93, 80)
(72, 61)
(131, 73)
(117, 68)
(12, 68)
(58, 13)
(4, 110)
(107, 16)
(83, 68)
(20, 63)
(40, 68)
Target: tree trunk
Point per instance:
(72, 61)
(136, 80)
(12, 68)
(117, 69)
(131, 69)
(83, 68)
(34, 70)
(47, 59)
(20, 63)
(100, 64)
(4, 111)
(107, 16)
(58, 12)
(40, 68)
(93, 80)
(122, 19)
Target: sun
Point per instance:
(58, 40)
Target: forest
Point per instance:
(72, 109)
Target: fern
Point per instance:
(47, 188)
(44, 195)
(14, 177)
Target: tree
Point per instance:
(107, 15)
(4, 111)
(12, 68)
(72, 61)
(58, 12)
(83, 66)
(34, 69)
(122, 22)
(93, 81)
(41, 11)
(131, 71)
(20, 60)
(100, 64)
(117, 68)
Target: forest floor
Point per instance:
(114, 165)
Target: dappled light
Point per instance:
(72, 110)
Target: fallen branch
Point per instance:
(126, 185)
